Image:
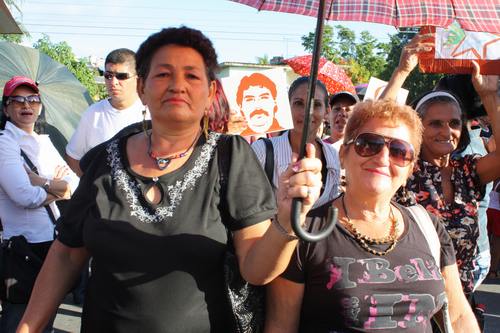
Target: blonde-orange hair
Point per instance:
(389, 111)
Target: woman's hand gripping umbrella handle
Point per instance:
(297, 203)
(310, 193)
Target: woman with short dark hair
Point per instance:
(157, 214)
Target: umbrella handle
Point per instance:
(331, 221)
(297, 203)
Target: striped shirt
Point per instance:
(283, 158)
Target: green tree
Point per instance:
(363, 59)
(328, 49)
(62, 53)
(264, 60)
(417, 83)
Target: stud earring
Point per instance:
(343, 181)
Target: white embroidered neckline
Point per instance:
(132, 191)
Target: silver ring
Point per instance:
(309, 191)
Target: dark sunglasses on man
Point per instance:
(119, 76)
(20, 100)
(401, 152)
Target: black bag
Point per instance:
(20, 264)
(247, 301)
(20, 269)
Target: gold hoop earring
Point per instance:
(144, 123)
(205, 126)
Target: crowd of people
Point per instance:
(157, 197)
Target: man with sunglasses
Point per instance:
(341, 104)
(104, 119)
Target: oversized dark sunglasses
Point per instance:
(119, 76)
(31, 99)
(401, 152)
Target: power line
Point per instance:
(143, 36)
(155, 28)
(105, 5)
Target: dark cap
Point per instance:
(17, 81)
(344, 94)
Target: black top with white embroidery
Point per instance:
(159, 268)
(348, 289)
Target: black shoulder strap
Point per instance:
(35, 170)
(269, 164)
(223, 163)
(28, 161)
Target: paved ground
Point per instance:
(489, 294)
(68, 318)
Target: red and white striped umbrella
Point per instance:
(333, 76)
(472, 15)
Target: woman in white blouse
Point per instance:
(285, 145)
(24, 193)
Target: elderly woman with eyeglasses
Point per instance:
(379, 270)
(27, 198)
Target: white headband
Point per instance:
(435, 94)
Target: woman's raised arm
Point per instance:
(407, 62)
(486, 86)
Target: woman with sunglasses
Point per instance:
(27, 199)
(448, 185)
(376, 272)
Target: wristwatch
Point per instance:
(46, 185)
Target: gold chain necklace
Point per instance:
(366, 241)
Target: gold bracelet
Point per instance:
(282, 230)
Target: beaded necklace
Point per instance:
(163, 162)
(365, 241)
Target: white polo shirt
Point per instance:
(283, 158)
(99, 123)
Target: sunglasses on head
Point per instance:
(401, 152)
(31, 99)
(119, 76)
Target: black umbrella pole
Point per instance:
(313, 76)
(297, 203)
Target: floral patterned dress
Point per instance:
(460, 216)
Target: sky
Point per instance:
(240, 33)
